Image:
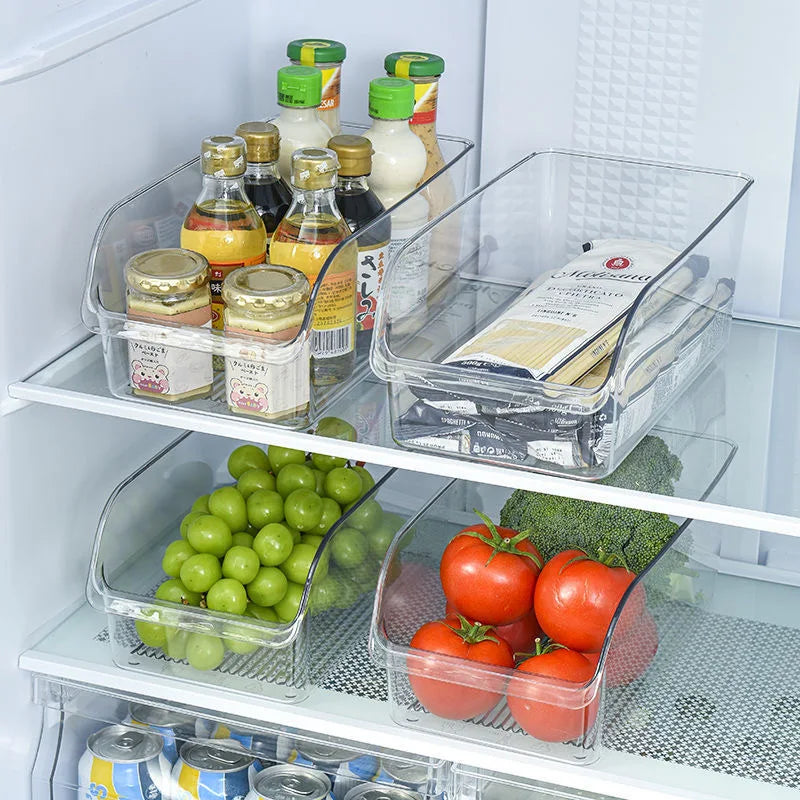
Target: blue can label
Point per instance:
(194, 784)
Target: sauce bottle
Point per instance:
(305, 237)
(222, 224)
(327, 55)
(266, 189)
(299, 94)
(359, 206)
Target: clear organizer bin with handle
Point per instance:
(564, 720)
(282, 660)
(152, 218)
(535, 349)
(74, 712)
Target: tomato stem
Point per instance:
(607, 559)
(542, 649)
(500, 544)
(472, 633)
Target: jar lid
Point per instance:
(299, 87)
(316, 51)
(411, 64)
(354, 154)
(265, 288)
(166, 272)
(314, 168)
(263, 141)
(391, 98)
(223, 156)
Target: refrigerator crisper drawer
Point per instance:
(477, 703)
(152, 218)
(74, 712)
(274, 659)
(531, 391)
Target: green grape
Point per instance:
(152, 634)
(343, 485)
(242, 539)
(240, 563)
(175, 591)
(297, 566)
(246, 457)
(204, 651)
(176, 553)
(273, 544)
(201, 504)
(279, 457)
(175, 646)
(209, 534)
(254, 479)
(199, 573)
(366, 516)
(295, 476)
(349, 548)
(330, 513)
(367, 481)
(227, 595)
(268, 587)
(185, 522)
(288, 607)
(264, 506)
(311, 539)
(228, 504)
(327, 463)
(303, 509)
(336, 428)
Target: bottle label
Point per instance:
(425, 98)
(157, 366)
(371, 263)
(333, 321)
(262, 383)
(410, 281)
(331, 88)
(219, 270)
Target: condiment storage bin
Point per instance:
(514, 233)
(152, 217)
(73, 712)
(410, 594)
(143, 515)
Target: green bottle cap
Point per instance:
(411, 64)
(316, 51)
(299, 87)
(391, 98)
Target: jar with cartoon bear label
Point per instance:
(168, 295)
(266, 303)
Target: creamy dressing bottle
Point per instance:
(299, 94)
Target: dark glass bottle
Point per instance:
(359, 206)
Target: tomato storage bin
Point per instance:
(410, 594)
(152, 217)
(524, 397)
(143, 515)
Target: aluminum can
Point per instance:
(259, 743)
(407, 774)
(122, 763)
(290, 782)
(346, 768)
(212, 770)
(371, 791)
(173, 727)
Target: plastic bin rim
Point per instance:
(388, 366)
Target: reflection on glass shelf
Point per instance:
(746, 401)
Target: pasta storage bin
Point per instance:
(507, 708)
(169, 353)
(584, 294)
(278, 651)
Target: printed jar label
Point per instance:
(333, 321)
(219, 270)
(410, 281)
(158, 366)
(371, 263)
(331, 88)
(425, 98)
(266, 383)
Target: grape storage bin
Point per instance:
(143, 515)
(532, 219)
(410, 594)
(152, 218)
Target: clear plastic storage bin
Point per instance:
(72, 712)
(410, 594)
(152, 218)
(564, 415)
(279, 660)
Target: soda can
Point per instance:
(174, 728)
(407, 774)
(121, 763)
(206, 771)
(346, 768)
(290, 782)
(369, 791)
(262, 745)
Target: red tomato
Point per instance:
(554, 713)
(631, 653)
(449, 698)
(576, 598)
(520, 635)
(489, 573)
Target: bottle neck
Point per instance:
(314, 201)
(223, 188)
(352, 184)
(261, 170)
(292, 114)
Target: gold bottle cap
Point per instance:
(166, 272)
(223, 156)
(314, 168)
(354, 153)
(265, 288)
(262, 139)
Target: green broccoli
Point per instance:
(561, 523)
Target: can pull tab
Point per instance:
(297, 786)
(130, 741)
(225, 758)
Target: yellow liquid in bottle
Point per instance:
(305, 242)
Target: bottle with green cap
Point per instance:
(327, 55)
(398, 164)
(299, 95)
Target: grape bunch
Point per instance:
(248, 548)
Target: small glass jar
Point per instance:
(170, 287)
(326, 55)
(267, 302)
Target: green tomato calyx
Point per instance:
(472, 633)
(500, 544)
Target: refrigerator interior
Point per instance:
(100, 98)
